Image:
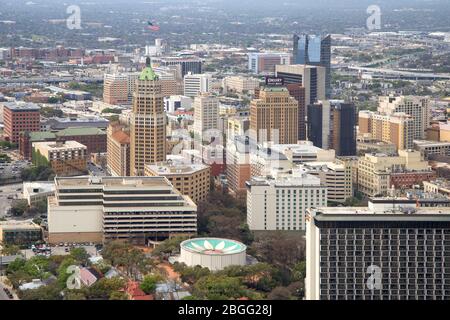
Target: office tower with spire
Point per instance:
(148, 122)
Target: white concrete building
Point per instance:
(212, 253)
(336, 176)
(281, 203)
(196, 83)
(34, 192)
(173, 103)
(303, 151)
(138, 209)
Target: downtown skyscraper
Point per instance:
(316, 51)
(148, 123)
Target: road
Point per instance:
(96, 171)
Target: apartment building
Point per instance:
(65, 158)
(397, 128)
(136, 209)
(415, 106)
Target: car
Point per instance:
(66, 249)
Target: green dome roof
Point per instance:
(213, 246)
(148, 74)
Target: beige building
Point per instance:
(65, 158)
(417, 107)
(274, 116)
(190, 179)
(336, 176)
(240, 84)
(441, 186)
(137, 209)
(398, 128)
(237, 126)
(444, 132)
(374, 170)
(118, 87)
(206, 116)
(118, 150)
(148, 123)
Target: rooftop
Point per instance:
(300, 179)
(16, 224)
(21, 106)
(51, 145)
(213, 246)
(176, 167)
(129, 182)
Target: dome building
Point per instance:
(213, 253)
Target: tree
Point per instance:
(41, 206)
(279, 293)
(80, 255)
(10, 250)
(149, 283)
(215, 287)
(169, 246)
(49, 292)
(280, 250)
(19, 207)
(299, 272)
(103, 288)
(117, 295)
(124, 255)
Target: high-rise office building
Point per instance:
(298, 92)
(314, 50)
(274, 116)
(386, 251)
(187, 63)
(312, 78)
(148, 123)
(343, 129)
(206, 115)
(319, 124)
(118, 87)
(195, 84)
(417, 107)
(20, 117)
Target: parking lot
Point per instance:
(62, 250)
(8, 194)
